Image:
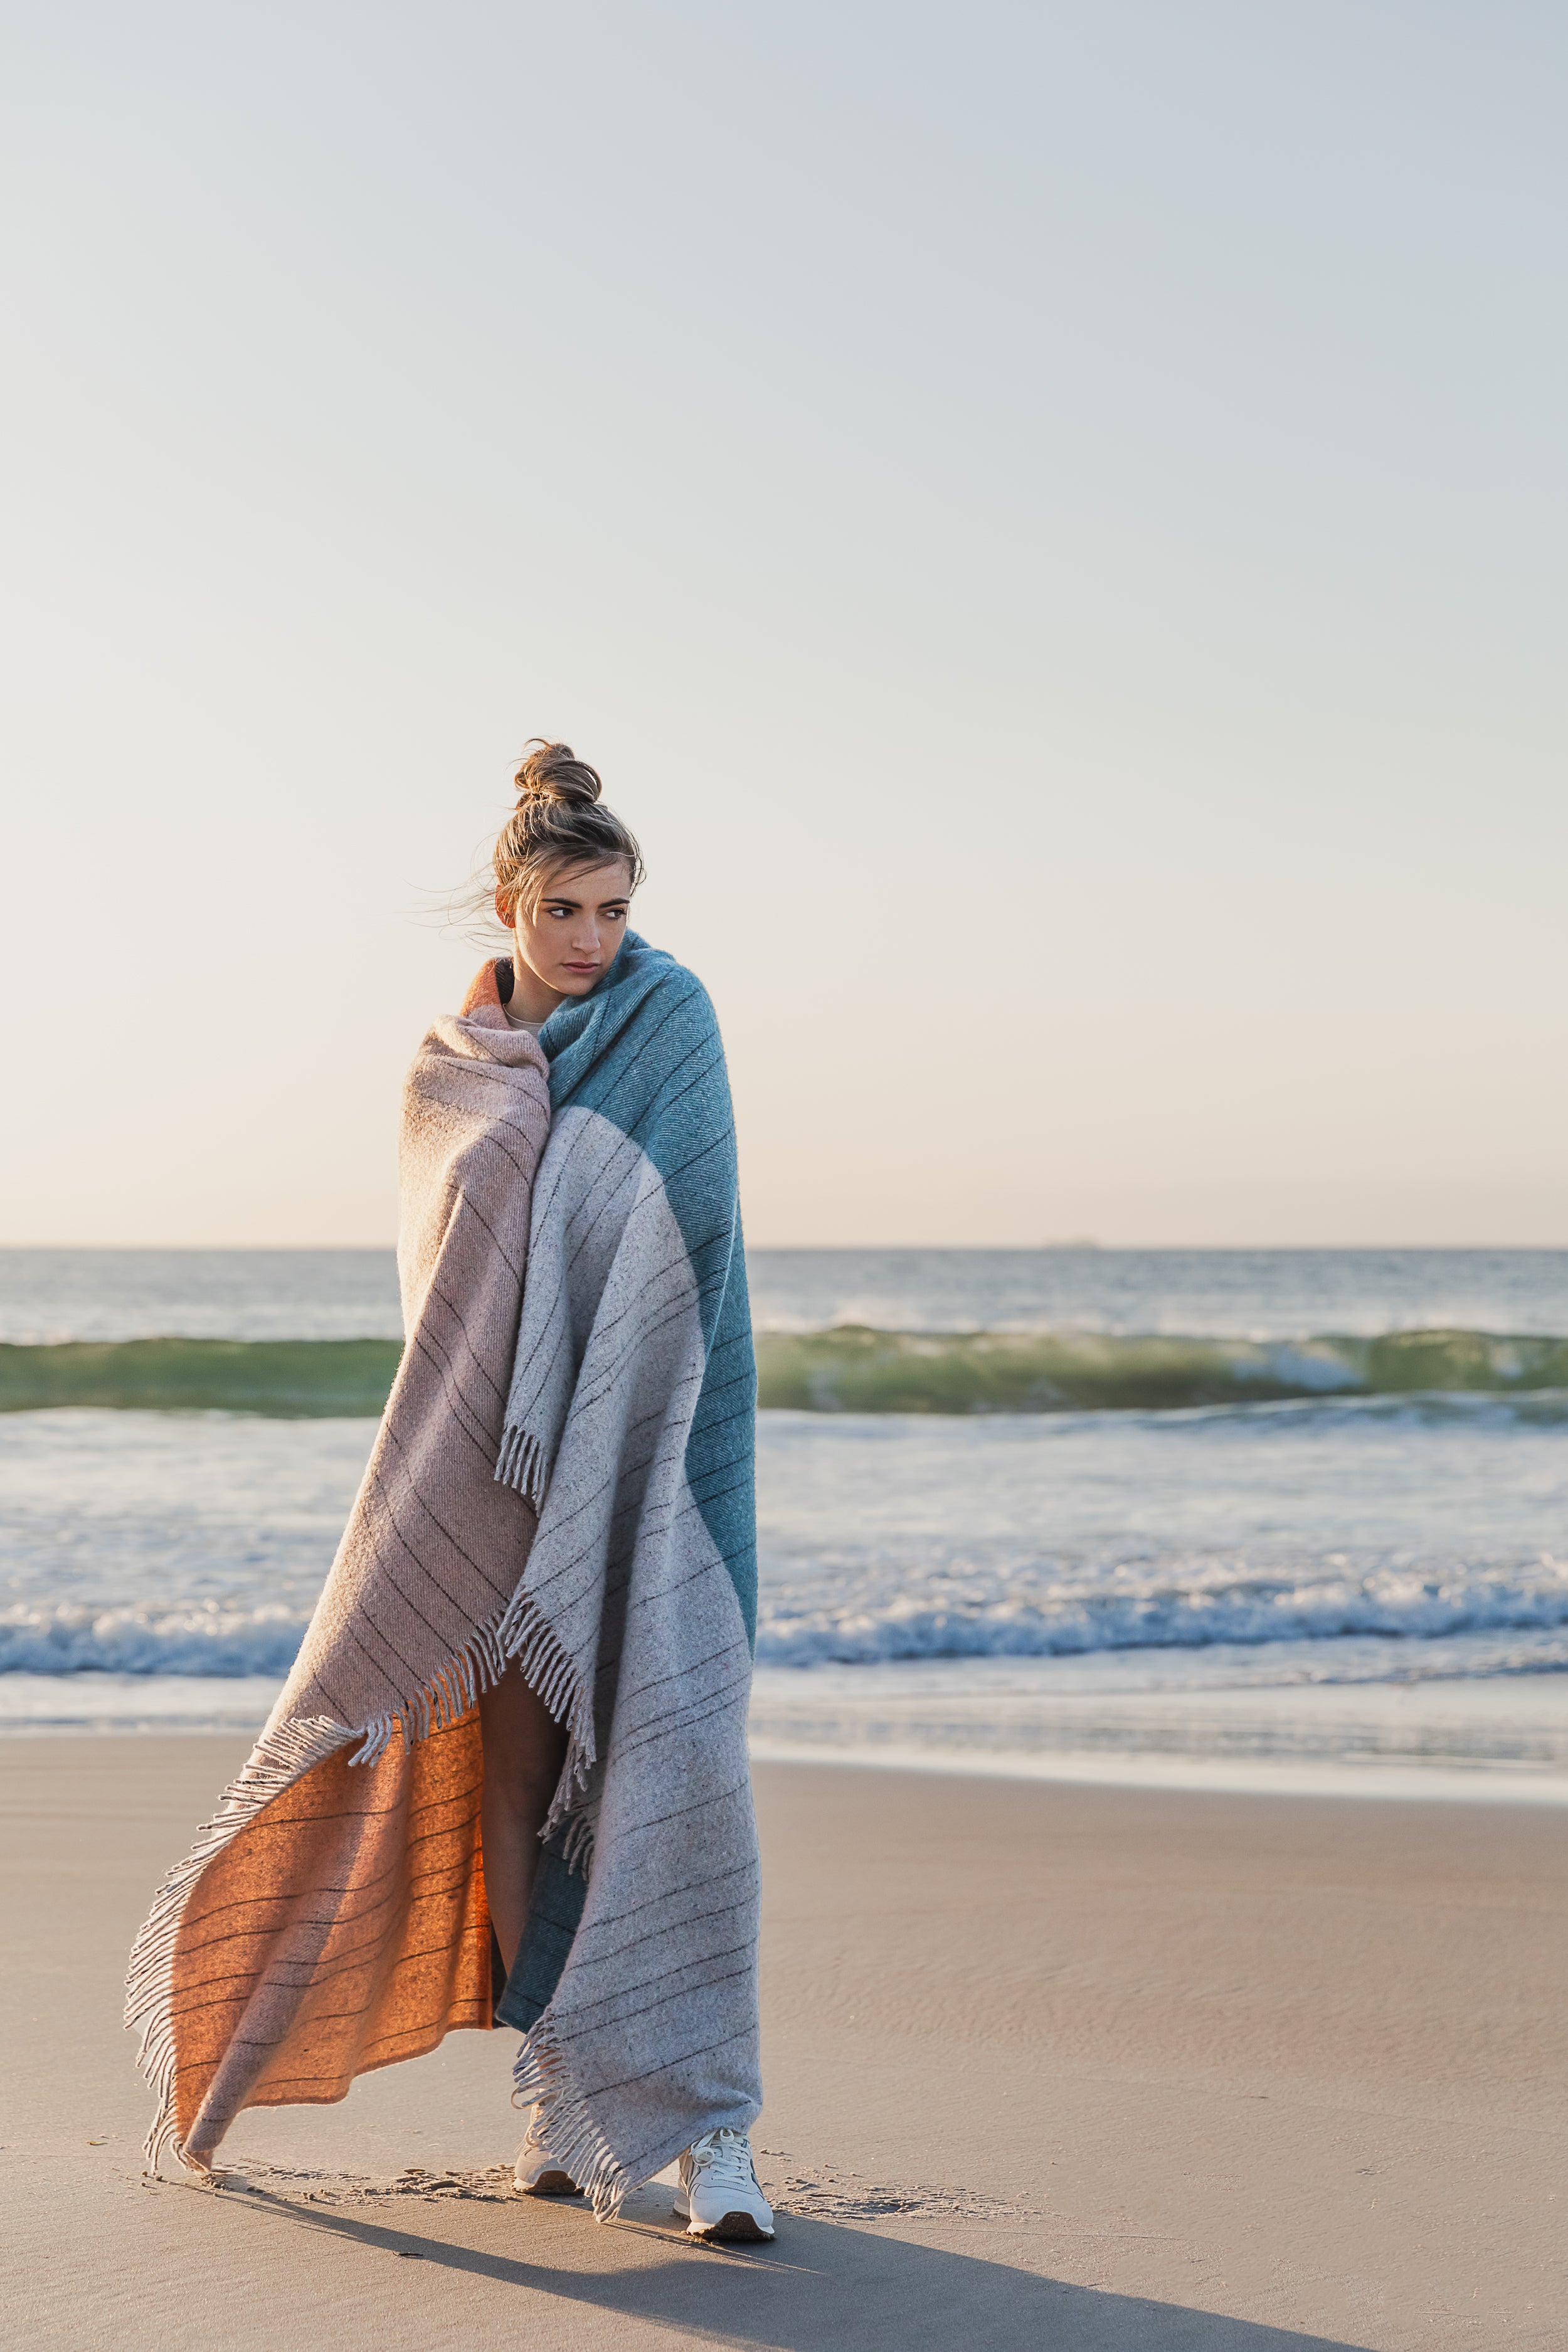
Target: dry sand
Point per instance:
(1049, 2066)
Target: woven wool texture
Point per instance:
(631, 1424)
(332, 1917)
(563, 1477)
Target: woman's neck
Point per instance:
(531, 998)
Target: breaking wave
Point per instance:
(857, 1370)
(850, 1368)
(1070, 1617)
(286, 1379)
(72, 1640)
(1050, 1614)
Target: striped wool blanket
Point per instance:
(563, 1475)
(630, 1426)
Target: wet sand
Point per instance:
(1048, 2065)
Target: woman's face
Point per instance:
(573, 933)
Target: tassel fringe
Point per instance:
(440, 1703)
(521, 1463)
(279, 1761)
(565, 2128)
(526, 1635)
(284, 1756)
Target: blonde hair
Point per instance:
(559, 826)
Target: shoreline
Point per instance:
(1357, 1784)
(1196, 1776)
(1498, 1741)
(1193, 1777)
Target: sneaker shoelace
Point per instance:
(726, 2156)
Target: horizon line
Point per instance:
(1086, 1248)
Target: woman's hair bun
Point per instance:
(549, 773)
(559, 826)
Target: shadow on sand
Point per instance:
(822, 2287)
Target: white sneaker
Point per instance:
(536, 2174)
(718, 2191)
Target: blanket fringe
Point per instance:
(285, 1755)
(279, 1760)
(526, 1635)
(440, 1703)
(294, 1749)
(565, 2128)
(581, 1827)
(522, 1632)
(521, 1463)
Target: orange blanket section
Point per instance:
(343, 1929)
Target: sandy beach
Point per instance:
(1088, 2066)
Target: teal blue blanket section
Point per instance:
(642, 1050)
(554, 1915)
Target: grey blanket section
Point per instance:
(637, 1985)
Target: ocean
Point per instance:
(1223, 1517)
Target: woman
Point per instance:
(507, 1778)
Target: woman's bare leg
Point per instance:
(524, 1751)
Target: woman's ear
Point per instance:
(503, 912)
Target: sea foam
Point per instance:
(1033, 1614)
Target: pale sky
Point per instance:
(1049, 518)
